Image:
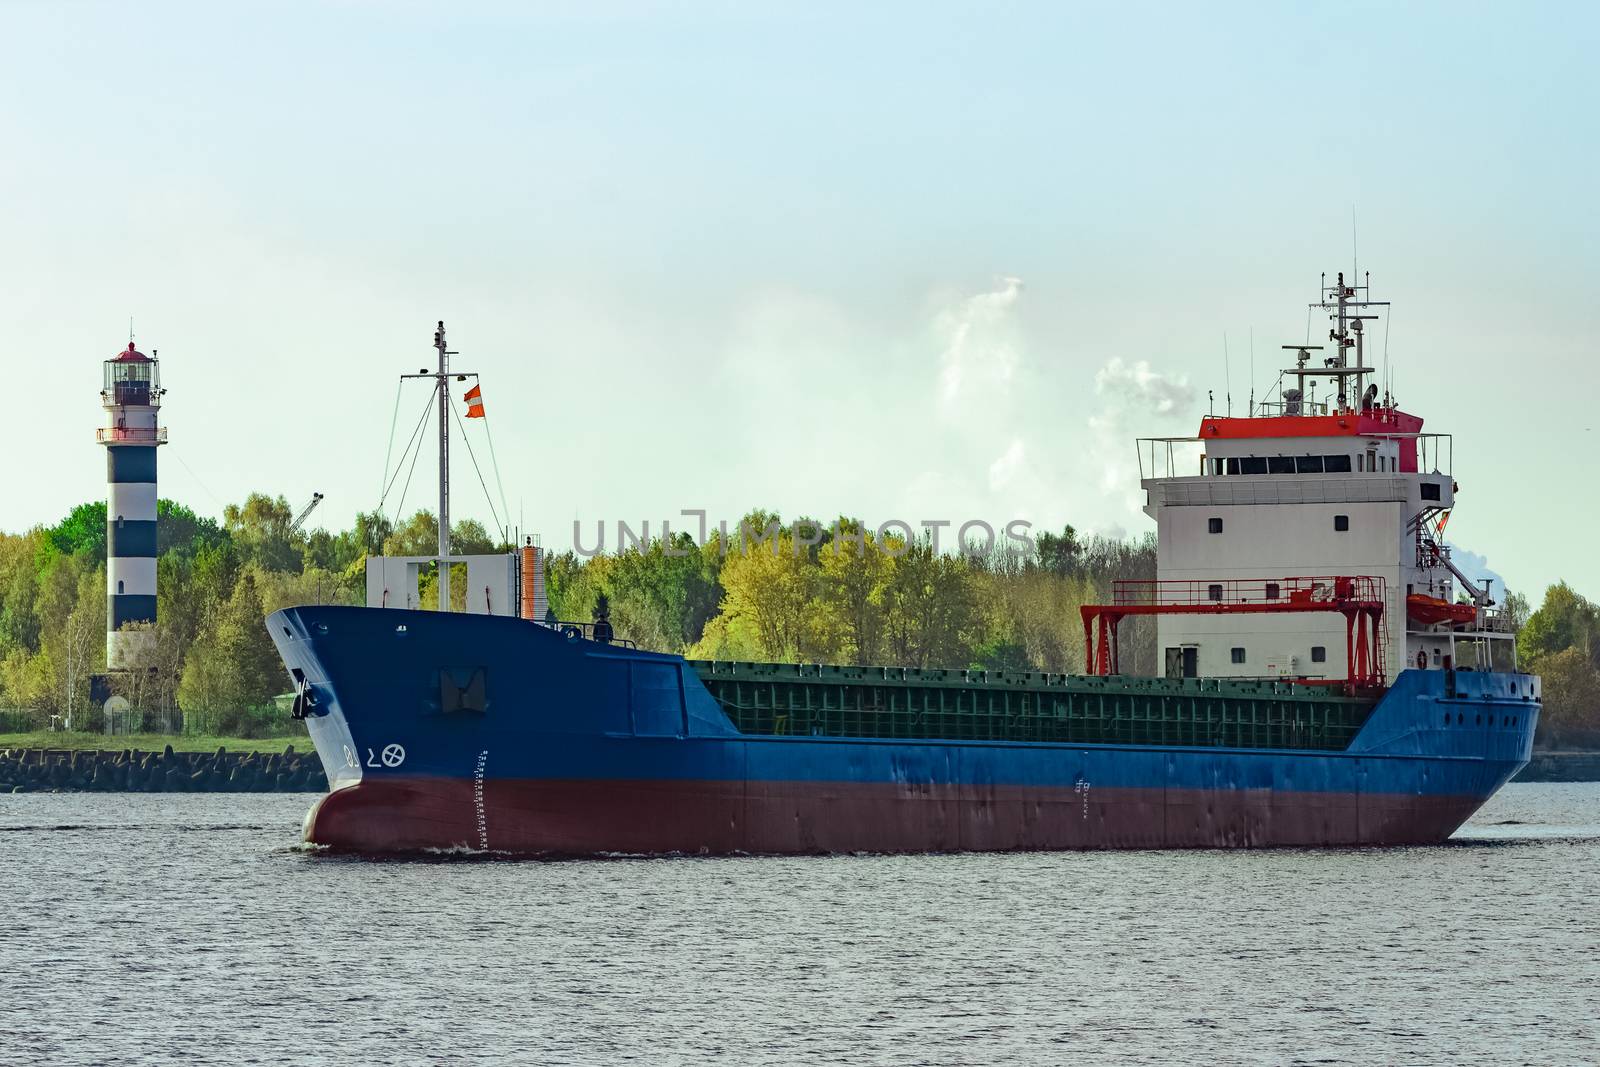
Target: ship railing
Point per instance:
(1170, 457)
(1435, 453)
(585, 630)
(149, 435)
(1483, 650)
(1271, 408)
(1497, 621)
(1181, 457)
(1266, 592)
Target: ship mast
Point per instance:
(441, 379)
(1342, 301)
(444, 466)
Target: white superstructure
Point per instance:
(1343, 487)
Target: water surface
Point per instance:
(149, 928)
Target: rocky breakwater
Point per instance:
(44, 770)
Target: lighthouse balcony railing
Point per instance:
(131, 435)
(130, 394)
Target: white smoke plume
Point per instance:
(1134, 401)
(1137, 387)
(980, 346)
(1003, 471)
(1476, 566)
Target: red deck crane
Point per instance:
(1359, 599)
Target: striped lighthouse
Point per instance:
(132, 400)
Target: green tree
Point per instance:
(662, 597)
(1571, 689)
(232, 669)
(1058, 553)
(180, 531)
(1565, 620)
(19, 586)
(261, 527)
(769, 592)
(855, 577)
(83, 531)
(417, 536)
(931, 609)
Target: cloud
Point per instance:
(1003, 471)
(979, 342)
(1137, 387)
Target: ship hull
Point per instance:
(609, 817)
(565, 747)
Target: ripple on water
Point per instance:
(151, 928)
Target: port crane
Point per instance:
(299, 520)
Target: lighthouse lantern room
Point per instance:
(131, 396)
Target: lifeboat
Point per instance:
(1431, 609)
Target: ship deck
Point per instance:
(817, 700)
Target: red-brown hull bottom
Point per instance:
(728, 817)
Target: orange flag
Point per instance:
(474, 400)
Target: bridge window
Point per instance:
(1430, 490)
(1214, 525)
(1280, 464)
(1308, 464)
(1336, 464)
(1233, 466)
(1341, 523)
(1214, 592)
(1319, 653)
(1253, 465)
(1238, 655)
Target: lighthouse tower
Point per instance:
(132, 400)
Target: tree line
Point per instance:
(216, 581)
(800, 591)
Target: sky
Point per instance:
(898, 261)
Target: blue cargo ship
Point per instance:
(492, 729)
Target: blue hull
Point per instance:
(568, 746)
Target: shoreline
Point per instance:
(137, 770)
(1561, 767)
